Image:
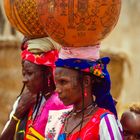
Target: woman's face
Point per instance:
(131, 126)
(68, 86)
(32, 77)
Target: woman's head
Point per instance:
(99, 78)
(38, 63)
(70, 84)
(36, 77)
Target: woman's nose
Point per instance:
(131, 138)
(24, 80)
(58, 90)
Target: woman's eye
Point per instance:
(126, 133)
(29, 73)
(63, 82)
(23, 73)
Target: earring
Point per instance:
(49, 83)
(85, 92)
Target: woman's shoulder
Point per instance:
(97, 117)
(106, 125)
(103, 117)
(110, 127)
(101, 112)
(106, 117)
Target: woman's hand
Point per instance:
(26, 101)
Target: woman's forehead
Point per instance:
(61, 71)
(29, 65)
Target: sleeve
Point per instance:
(110, 128)
(11, 114)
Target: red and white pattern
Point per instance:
(46, 58)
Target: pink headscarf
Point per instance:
(89, 53)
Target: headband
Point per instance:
(40, 51)
(47, 58)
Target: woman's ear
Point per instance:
(86, 81)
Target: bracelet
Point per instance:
(15, 118)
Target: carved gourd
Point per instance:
(76, 23)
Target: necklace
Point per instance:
(47, 95)
(74, 113)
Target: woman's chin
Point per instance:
(66, 102)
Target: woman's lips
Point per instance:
(61, 98)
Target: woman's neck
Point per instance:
(81, 106)
(87, 101)
(47, 95)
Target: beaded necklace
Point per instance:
(74, 113)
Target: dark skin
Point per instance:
(131, 125)
(70, 92)
(34, 81)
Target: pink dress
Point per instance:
(29, 130)
(53, 103)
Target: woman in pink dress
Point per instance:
(30, 111)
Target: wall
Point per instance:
(10, 77)
(125, 38)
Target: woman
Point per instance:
(30, 111)
(130, 121)
(79, 82)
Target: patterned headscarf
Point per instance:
(40, 51)
(47, 58)
(99, 69)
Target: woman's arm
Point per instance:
(9, 132)
(20, 109)
(110, 128)
(9, 129)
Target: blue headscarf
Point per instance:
(99, 69)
